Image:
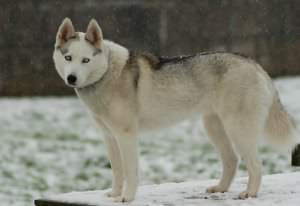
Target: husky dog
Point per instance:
(129, 92)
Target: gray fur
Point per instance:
(97, 51)
(64, 49)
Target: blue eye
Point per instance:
(68, 58)
(85, 60)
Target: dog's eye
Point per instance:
(85, 60)
(68, 58)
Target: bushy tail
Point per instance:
(280, 129)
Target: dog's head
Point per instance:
(80, 58)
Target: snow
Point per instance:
(51, 146)
(280, 189)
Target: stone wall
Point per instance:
(266, 30)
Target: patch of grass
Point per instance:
(40, 184)
(242, 167)
(67, 137)
(212, 160)
(40, 135)
(37, 116)
(82, 176)
(7, 174)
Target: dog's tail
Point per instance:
(280, 128)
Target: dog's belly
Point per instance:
(157, 115)
(160, 122)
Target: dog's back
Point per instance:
(203, 83)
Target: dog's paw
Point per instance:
(246, 194)
(123, 199)
(113, 193)
(118, 199)
(215, 189)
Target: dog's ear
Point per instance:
(94, 34)
(65, 32)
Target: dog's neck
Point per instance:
(117, 57)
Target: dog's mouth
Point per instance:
(76, 86)
(72, 85)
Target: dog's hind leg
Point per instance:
(218, 137)
(243, 132)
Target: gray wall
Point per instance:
(266, 30)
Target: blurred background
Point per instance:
(48, 143)
(268, 31)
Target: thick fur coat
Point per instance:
(128, 92)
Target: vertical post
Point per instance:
(296, 156)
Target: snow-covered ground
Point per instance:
(276, 190)
(50, 146)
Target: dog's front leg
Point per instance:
(116, 165)
(128, 144)
(115, 159)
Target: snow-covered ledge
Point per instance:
(280, 189)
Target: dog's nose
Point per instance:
(72, 79)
